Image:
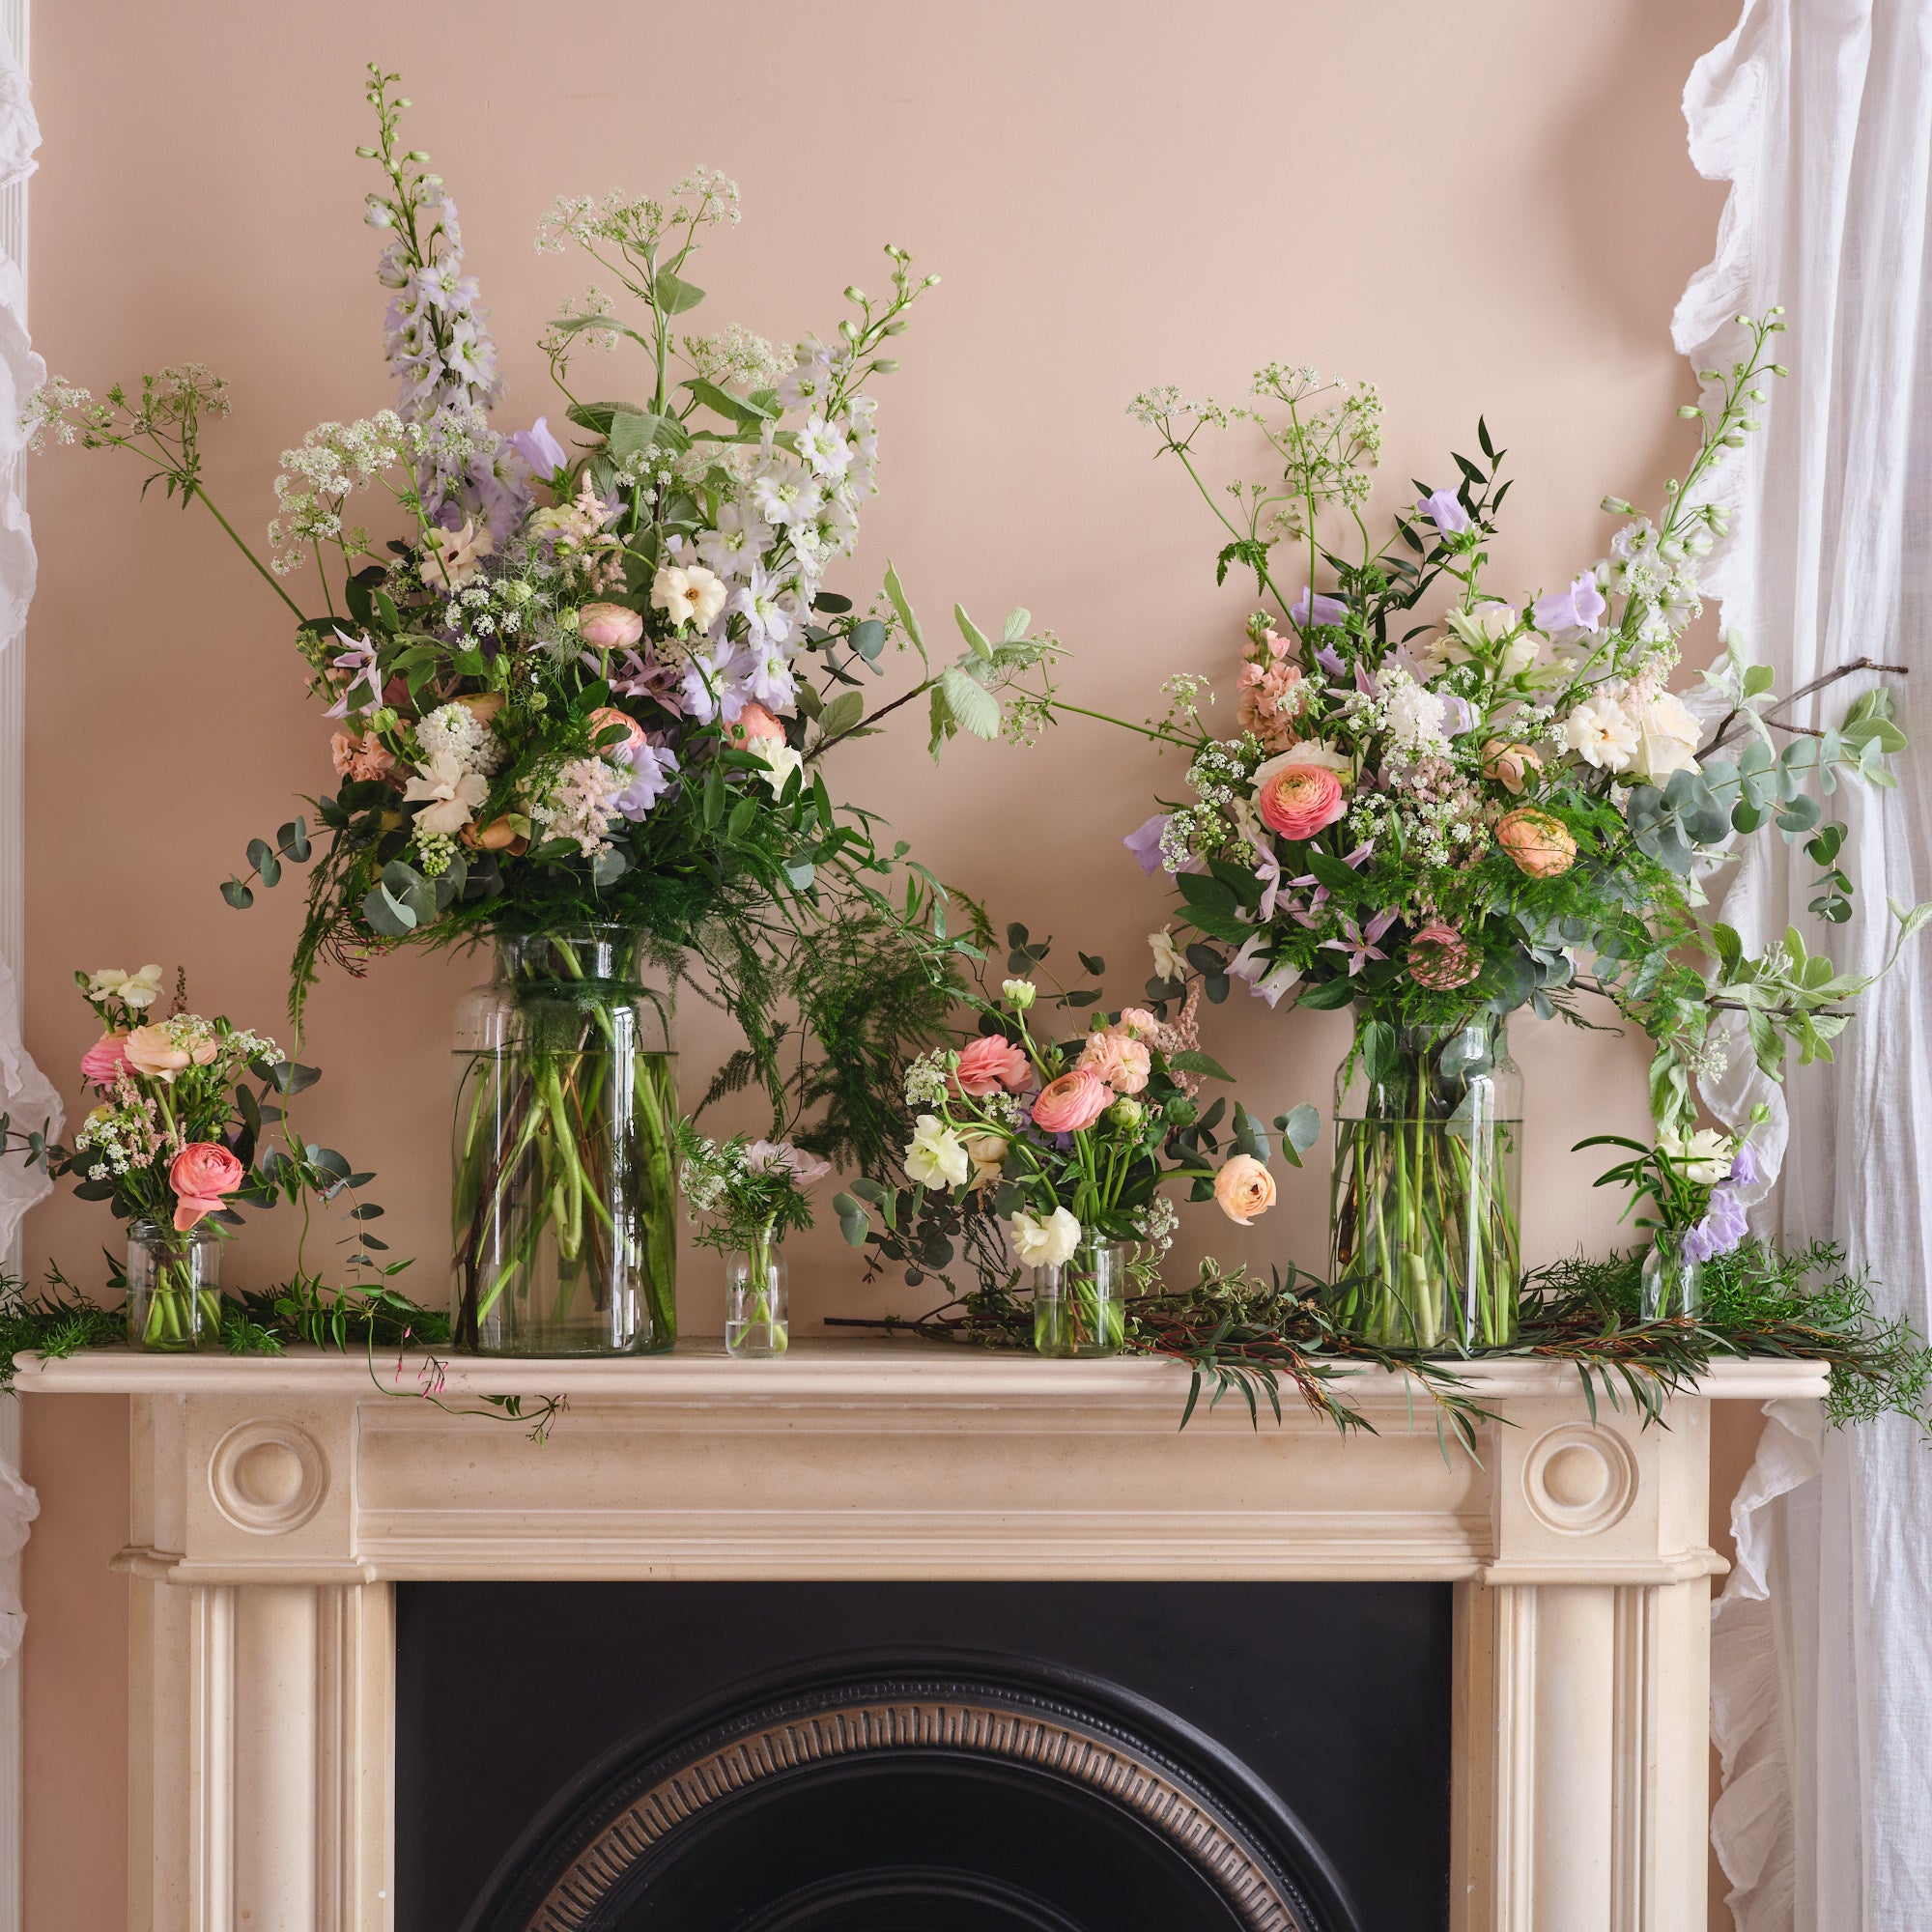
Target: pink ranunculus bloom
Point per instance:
(1298, 801)
(607, 717)
(989, 1064)
(1073, 1101)
(201, 1175)
(1541, 845)
(753, 723)
(363, 756)
(1440, 958)
(1124, 1064)
(609, 627)
(104, 1059)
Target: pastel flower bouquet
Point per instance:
(579, 677)
(1441, 805)
(1067, 1143)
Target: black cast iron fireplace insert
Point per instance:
(930, 1757)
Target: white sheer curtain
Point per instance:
(1820, 113)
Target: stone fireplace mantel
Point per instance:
(274, 1501)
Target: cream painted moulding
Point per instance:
(275, 1502)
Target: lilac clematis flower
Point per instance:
(1330, 661)
(1442, 510)
(1267, 872)
(1581, 606)
(653, 768)
(540, 449)
(1263, 981)
(1309, 609)
(1144, 842)
(1359, 942)
(360, 660)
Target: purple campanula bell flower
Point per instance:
(1442, 510)
(540, 449)
(1144, 842)
(1578, 607)
(1309, 609)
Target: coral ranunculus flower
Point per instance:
(1298, 801)
(1073, 1101)
(201, 1174)
(1441, 959)
(1540, 844)
(989, 1064)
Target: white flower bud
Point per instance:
(1018, 994)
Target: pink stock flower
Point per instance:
(104, 1059)
(202, 1173)
(1541, 845)
(1298, 801)
(609, 627)
(1073, 1101)
(1124, 1064)
(1441, 959)
(363, 756)
(988, 1063)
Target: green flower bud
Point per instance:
(1018, 994)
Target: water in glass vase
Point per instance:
(756, 1321)
(1424, 1244)
(1079, 1308)
(564, 1205)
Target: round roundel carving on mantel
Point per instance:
(267, 1477)
(1579, 1480)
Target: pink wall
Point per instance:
(1484, 206)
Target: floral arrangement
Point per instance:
(578, 673)
(753, 1193)
(1694, 1184)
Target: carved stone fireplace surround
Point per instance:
(275, 1502)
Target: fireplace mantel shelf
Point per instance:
(833, 1371)
(277, 1502)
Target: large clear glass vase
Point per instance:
(564, 1205)
(1424, 1248)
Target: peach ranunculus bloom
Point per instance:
(149, 1050)
(753, 723)
(988, 1063)
(201, 1174)
(1124, 1064)
(608, 718)
(1298, 801)
(1510, 765)
(609, 627)
(1441, 959)
(1540, 844)
(364, 758)
(1073, 1101)
(1244, 1188)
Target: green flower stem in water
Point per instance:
(1083, 1314)
(757, 1328)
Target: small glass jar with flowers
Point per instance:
(752, 1194)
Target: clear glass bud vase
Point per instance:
(755, 1316)
(1080, 1306)
(174, 1297)
(564, 1220)
(1424, 1248)
(1672, 1283)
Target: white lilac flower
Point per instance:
(1601, 733)
(1416, 716)
(936, 1156)
(454, 731)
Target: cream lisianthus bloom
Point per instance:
(1666, 740)
(936, 1156)
(688, 593)
(131, 989)
(1168, 962)
(451, 793)
(1018, 994)
(1704, 1158)
(1048, 1240)
(1601, 733)
(1476, 633)
(455, 556)
(780, 760)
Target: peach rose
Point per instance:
(754, 721)
(1440, 958)
(201, 1174)
(149, 1050)
(1298, 801)
(498, 836)
(988, 1063)
(609, 627)
(104, 1059)
(605, 718)
(1508, 765)
(364, 758)
(1244, 1188)
(1073, 1101)
(1541, 845)
(1124, 1064)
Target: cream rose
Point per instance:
(1666, 740)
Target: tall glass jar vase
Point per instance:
(564, 1217)
(174, 1303)
(1423, 1223)
(1079, 1307)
